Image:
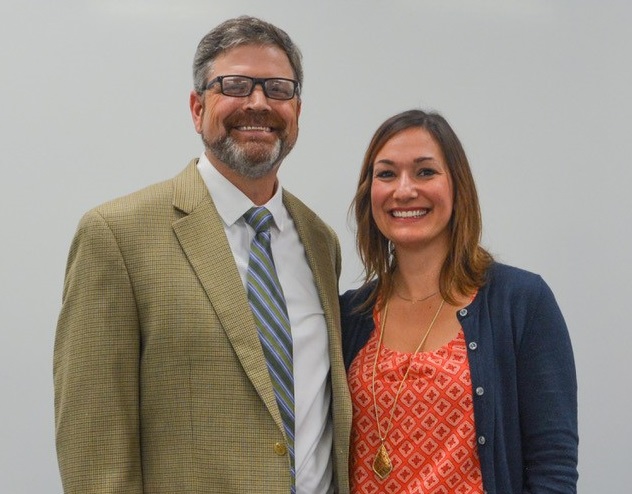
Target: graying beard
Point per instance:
(235, 157)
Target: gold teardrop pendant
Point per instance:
(382, 465)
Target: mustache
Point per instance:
(256, 119)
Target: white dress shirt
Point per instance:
(312, 392)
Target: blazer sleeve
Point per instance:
(548, 398)
(96, 368)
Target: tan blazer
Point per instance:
(161, 385)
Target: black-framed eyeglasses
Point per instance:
(241, 86)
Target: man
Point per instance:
(162, 380)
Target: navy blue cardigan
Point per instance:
(523, 380)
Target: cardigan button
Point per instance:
(480, 391)
(481, 440)
(463, 312)
(473, 345)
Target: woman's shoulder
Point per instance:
(512, 276)
(356, 320)
(517, 284)
(353, 298)
(360, 294)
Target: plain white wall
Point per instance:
(94, 104)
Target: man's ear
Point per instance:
(196, 105)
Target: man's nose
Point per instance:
(257, 99)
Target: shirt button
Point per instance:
(280, 449)
(473, 345)
(481, 440)
(480, 391)
(463, 312)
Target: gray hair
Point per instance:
(243, 30)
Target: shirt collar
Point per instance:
(230, 202)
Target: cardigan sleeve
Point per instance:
(547, 388)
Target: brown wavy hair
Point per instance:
(466, 263)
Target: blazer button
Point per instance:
(280, 449)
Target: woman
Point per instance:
(460, 368)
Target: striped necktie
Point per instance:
(268, 307)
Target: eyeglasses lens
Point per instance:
(273, 88)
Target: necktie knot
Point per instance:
(259, 218)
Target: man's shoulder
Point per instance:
(300, 212)
(147, 197)
(147, 206)
(155, 197)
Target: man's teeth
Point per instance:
(410, 214)
(250, 127)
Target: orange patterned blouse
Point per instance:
(431, 441)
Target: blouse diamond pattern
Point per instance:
(431, 441)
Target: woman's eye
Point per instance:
(426, 172)
(383, 174)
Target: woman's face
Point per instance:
(411, 191)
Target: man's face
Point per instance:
(249, 135)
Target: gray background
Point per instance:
(94, 104)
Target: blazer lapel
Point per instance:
(203, 240)
(316, 245)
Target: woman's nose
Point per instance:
(405, 188)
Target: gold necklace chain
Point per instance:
(415, 300)
(382, 465)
